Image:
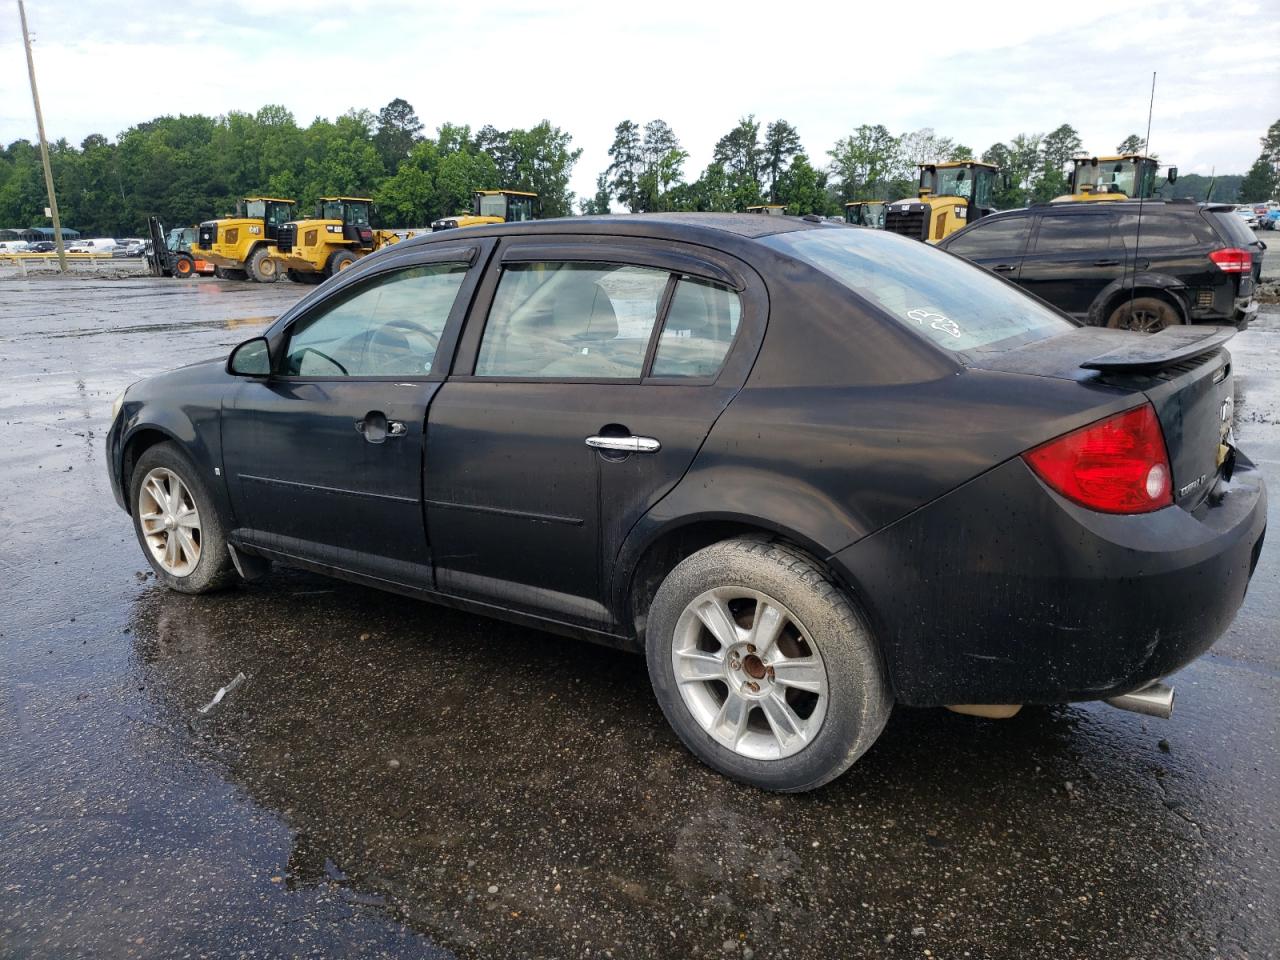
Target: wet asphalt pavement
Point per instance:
(395, 779)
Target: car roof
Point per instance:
(707, 228)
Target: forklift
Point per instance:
(170, 255)
(241, 246)
(340, 233)
(493, 206)
(951, 196)
(1127, 176)
(865, 213)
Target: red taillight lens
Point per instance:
(1117, 465)
(1232, 260)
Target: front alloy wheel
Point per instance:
(749, 673)
(170, 522)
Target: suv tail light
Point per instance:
(1117, 465)
(1232, 260)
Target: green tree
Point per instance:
(398, 129)
(781, 146)
(1259, 183)
(864, 162)
(1131, 144)
(627, 165)
(804, 189)
(738, 154)
(1057, 150)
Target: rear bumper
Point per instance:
(1003, 592)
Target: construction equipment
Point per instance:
(493, 206)
(1127, 176)
(951, 195)
(241, 246)
(340, 233)
(769, 209)
(170, 255)
(865, 213)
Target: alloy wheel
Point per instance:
(749, 673)
(170, 522)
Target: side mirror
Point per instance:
(1173, 174)
(250, 359)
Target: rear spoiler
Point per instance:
(1158, 350)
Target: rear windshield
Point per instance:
(1232, 226)
(948, 301)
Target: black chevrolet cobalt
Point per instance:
(809, 470)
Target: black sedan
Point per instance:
(810, 470)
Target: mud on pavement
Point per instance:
(396, 779)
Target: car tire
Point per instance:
(261, 267)
(177, 524)
(1144, 314)
(339, 261)
(835, 693)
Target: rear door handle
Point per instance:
(625, 444)
(1005, 267)
(1106, 263)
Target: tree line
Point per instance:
(192, 167)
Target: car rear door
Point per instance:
(324, 457)
(572, 410)
(995, 243)
(1073, 255)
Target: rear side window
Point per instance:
(571, 320)
(1232, 227)
(700, 326)
(955, 305)
(1074, 233)
(1164, 228)
(1005, 237)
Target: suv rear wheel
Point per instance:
(763, 667)
(1144, 315)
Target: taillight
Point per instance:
(1232, 260)
(1117, 465)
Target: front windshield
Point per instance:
(255, 209)
(331, 210)
(519, 209)
(949, 182)
(955, 305)
(278, 213)
(1107, 176)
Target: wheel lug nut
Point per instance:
(753, 686)
(751, 648)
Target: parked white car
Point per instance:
(14, 246)
(96, 245)
(1246, 214)
(132, 246)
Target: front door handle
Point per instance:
(1106, 263)
(625, 444)
(376, 427)
(1004, 267)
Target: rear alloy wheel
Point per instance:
(1144, 315)
(762, 666)
(340, 261)
(177, 523)
(261, 267)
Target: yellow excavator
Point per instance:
(340, 233)
(1126, 176)
(242, 246)
(865, 213)
(493, 206)
(951, 196)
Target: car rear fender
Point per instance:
(1141, 284)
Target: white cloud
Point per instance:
(975, 73)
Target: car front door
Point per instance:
(1073, 256)
(587, 380)
(996, 244)
(324, 457)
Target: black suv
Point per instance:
(1186, 263)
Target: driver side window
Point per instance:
(389, 326)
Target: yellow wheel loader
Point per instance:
(340, 233)
(493, 206)
(241, 247)
(865, 213)
(1128, 176)
(951, 196)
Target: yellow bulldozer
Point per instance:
(865, 213)
(241, 247)
(340, 233)
(1126, 176)
(951, 196)
(493, 206)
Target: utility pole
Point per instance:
(44, 144)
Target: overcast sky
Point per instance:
(978, 72)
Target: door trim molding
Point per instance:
(506, 512)
(338, 491)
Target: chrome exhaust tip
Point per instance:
(1153, 700)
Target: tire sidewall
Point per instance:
(858, 699)
(211, 570)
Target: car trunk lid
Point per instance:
(1184, 372)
